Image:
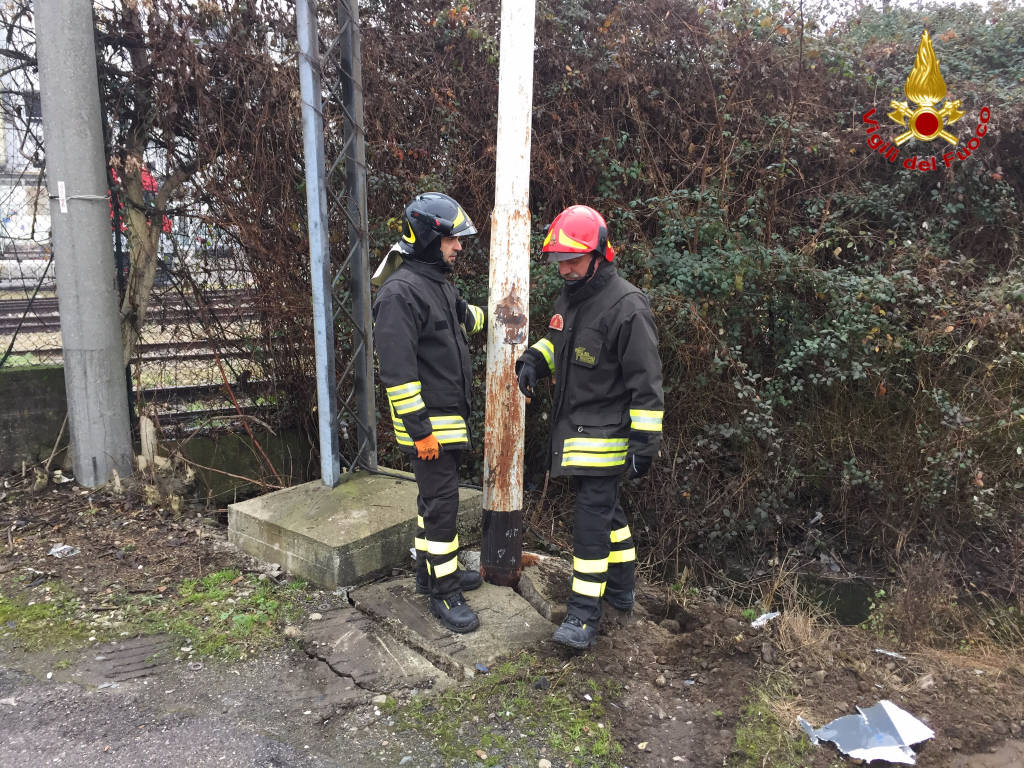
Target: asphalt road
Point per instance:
(138, 724)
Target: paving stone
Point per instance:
(545, 585)
(353, 647)
(507, 623)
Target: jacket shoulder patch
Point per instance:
(557, 323)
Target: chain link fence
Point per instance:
(226, 339)
(199, 360)
(198, 363)
(29, 328)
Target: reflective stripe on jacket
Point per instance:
(423, 353)
(603, 353)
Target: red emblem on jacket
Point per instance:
(557, 323)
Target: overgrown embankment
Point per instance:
(842, 336)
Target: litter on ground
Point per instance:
(880, 732)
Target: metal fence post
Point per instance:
(319, 248)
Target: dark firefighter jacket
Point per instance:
(602, 351)
(424, 354)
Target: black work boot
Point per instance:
(468, 580)
(576, 633)
(454, 612)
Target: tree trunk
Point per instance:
(143, 238)
(144, 224)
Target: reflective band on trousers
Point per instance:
(646, 421)
(620, 534)
(622, 555)
(547, 351)
(442, 547)
(445, 568)
(588, 588)
(590, 566)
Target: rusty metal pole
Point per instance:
(508, 299)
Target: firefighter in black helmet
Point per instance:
(421, 329)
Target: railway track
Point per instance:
(169, 351)
(179, 405)
(42, 315)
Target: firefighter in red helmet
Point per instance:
(601, 350)
(421, 325)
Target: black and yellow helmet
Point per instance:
(428, 218)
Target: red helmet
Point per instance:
(576, 230)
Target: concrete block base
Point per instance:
(340, 536)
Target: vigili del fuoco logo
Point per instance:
(924, 118)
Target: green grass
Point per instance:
(224, 615)
(556, 717)
(55, 620)
(762, 740)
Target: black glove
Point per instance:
(527, 377)
(461, 310)
(637, 466)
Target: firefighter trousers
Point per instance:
(437, 506)
(604, 558)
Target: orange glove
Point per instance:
(428, 448)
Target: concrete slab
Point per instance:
(507, 623)
(347, 642)
(344, 535)
(545, 583)
(312, 688)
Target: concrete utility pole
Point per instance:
(508, 299)
(76, 179)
